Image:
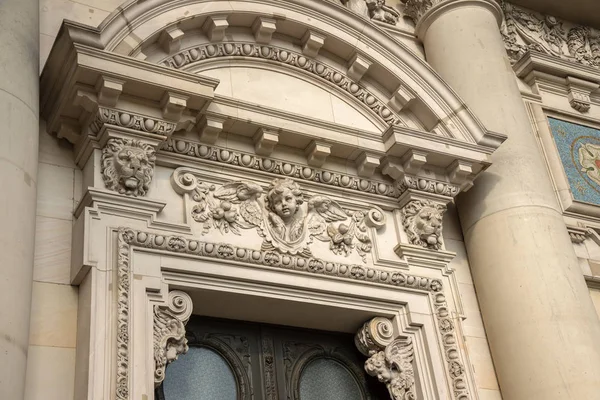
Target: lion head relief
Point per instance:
(422, 221)
(128, 166)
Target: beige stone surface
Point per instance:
(52, 261)
(50, 373)
(53, 315)
(55, 195)
(19, 98)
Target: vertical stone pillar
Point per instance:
(542, 329)
(19, 132)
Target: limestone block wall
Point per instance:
(52, 346)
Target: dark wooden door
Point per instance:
(267, 362)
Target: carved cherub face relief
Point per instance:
(284, 198)
(128, 166)
(422, 221)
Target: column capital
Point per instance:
(424, 12)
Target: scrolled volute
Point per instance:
(390, 357)
(169, 331)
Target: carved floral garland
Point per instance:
(272, 53)
(177, 244)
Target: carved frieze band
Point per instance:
(130, 120)
(284, 56)
(525, 30)
(181, 245)
(128, 166)
(169, 331)
(390, 358)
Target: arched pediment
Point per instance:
(353, 88)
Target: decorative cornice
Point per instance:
(525, 30)
(578, 235)
(278, 167)
(169, 331)
(181, 245)
(130, 120)
(286, 57)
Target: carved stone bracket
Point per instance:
(390, 357)
(169, 331)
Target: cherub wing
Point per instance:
(245, 194)
(237, 192)
(400, 352)
(328, 209)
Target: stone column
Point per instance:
(19, 131)
(542, 329)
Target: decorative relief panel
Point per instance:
(579, 150)
(285, 217)
(128, 166)
(525, 30)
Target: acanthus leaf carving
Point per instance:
(169, 331)
(282, 216)
(422, 221)
(390, 358)
(128, 166)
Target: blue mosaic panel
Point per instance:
(579, 150)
